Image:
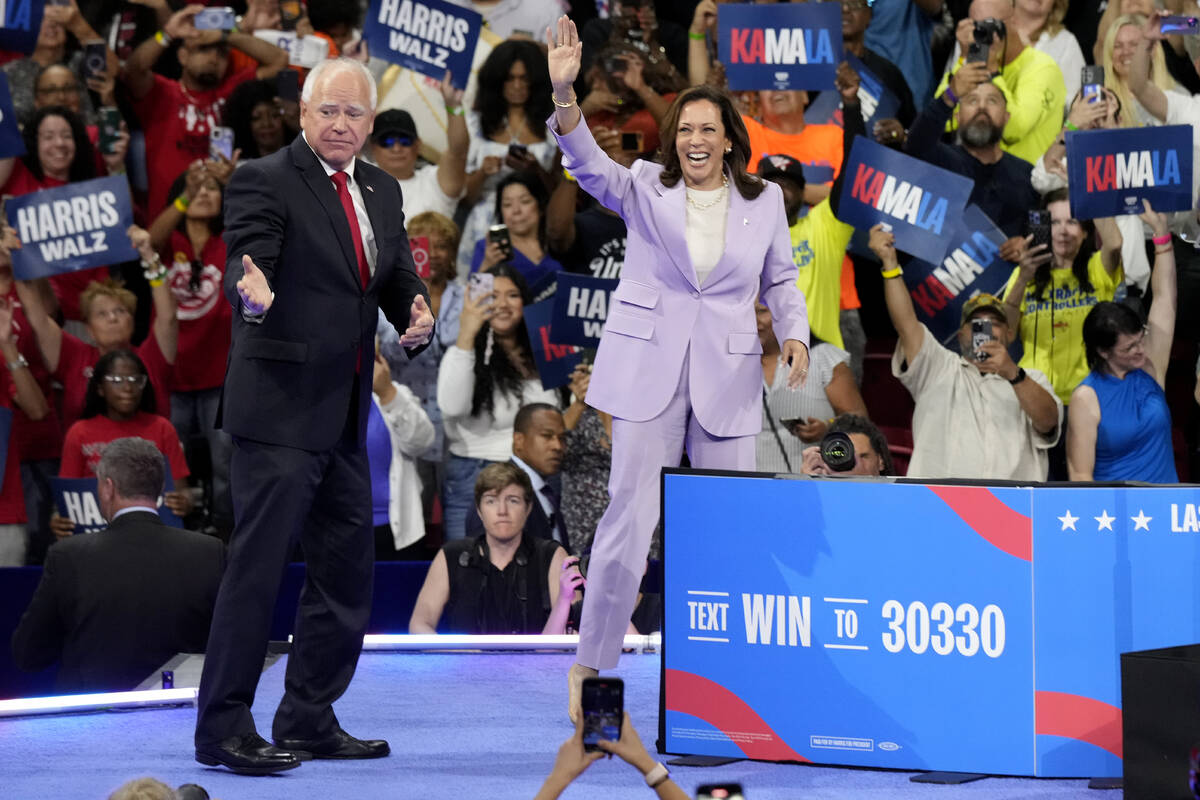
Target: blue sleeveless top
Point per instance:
(1133, 441)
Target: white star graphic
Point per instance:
(1105, 521)
(1141, 522)
(1068, 521)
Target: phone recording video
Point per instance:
(1038, 225)
(632, 141)
(981, 334)
(499, 234)
(480, 284)
(603, 703)
(1092, 81)
(420, 253)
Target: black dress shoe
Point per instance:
(338, 744)
(247, 755)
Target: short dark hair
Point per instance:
(94, 405)
(854, 423)
(135, 466)
(527, 412)
(1101, 327)
(326, 14)
(495, 477)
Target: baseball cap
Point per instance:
(394, 121)
(982, 301)
(782, 165)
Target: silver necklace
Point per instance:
(705, 206)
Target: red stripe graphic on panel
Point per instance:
(1008, 530)
(709, 701)
(1084, 719)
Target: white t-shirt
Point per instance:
(422, 193)
(518, 16)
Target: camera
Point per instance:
(985, 29)
(837, 451)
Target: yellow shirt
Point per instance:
(819, 242)
(1036, 94)
(1052, 329)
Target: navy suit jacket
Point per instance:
(290, 377)
(117, 604)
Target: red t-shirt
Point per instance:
(205, 316)
(75, 362)
(85, 440)
(177, 123)
(41, 439)
(68, 285)
(642, 121)
(12, 496)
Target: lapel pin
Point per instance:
(370, 188)
(745, 221)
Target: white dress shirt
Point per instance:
(360, 209)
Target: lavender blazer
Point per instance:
(659, 311)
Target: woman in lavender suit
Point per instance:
(679, 362)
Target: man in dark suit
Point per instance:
(316, 247)
(117, 604)
(539, 441)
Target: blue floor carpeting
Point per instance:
(461, 726)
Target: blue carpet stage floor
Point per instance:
(461, 726)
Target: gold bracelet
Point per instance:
(894, 272)
(563, 105)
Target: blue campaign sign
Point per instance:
(20, 24)
(918, 200)
(76, 499)
(11, 143)
(580, 309)
(1112, 171)
(972, 265)
(853, 634)
(876, 100)
(555, 362)
(426, 36)
(780, 46)
(74, 227)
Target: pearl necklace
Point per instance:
(705, 206)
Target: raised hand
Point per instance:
(253, 287)
(420, 324)
(565, 55)
(847, 82)
(883, 244)
(182, 23)
(139, 238)
(451, 95)
(1156, 220)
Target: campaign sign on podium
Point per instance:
(819, 625)
(967, 628)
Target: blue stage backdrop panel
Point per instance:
(907, 636)
(1115, 572)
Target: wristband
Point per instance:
(563, 105)
(13, 366)
(657, 774)
(894, 272)
(1071, 126)
(181, 204)
(457, 111)
(1020, 376)
(699, 37)
(1164, 239)
(568, 175)
(950, 93)
(162, 38)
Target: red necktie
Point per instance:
(339, 180)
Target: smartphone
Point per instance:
(603, 703)
(499, 235)
(1181, 25)
(219, 18)
(1039, 225)
(517, 150)
(110, 128)
(720, 791)
(632, 142)
(287, 85)
(291, 12)
(480, 284)
(95, 60)
(977, 53)
(791, 423)
(981, 334)
(614, 65)
(1093, 83)
(220, 143)
(420, 253)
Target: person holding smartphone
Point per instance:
(521, 202)
(678, 363)
(978, 415)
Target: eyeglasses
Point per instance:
(1137, 344)
(45, 91)
(391, 140)
(137, 381)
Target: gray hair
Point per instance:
(340, 64)
(135, 466)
